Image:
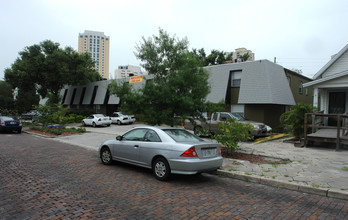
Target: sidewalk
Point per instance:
(317, 170)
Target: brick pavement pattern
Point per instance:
(44, 179)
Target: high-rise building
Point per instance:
(97, 44)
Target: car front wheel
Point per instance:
(105, 156)
(161, 169)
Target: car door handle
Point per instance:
(136, 146)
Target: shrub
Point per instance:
(293, 120)
(232, 132)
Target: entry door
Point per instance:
(337, 105)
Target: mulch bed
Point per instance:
(251, 157)
(65, 133)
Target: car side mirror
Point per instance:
(119, 138)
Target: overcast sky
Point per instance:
(302, 34)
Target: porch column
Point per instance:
(315, 97)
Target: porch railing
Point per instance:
(318, 122)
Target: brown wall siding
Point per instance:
(295, 81)
(268, 114)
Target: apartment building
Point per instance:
(97, 44)
(238, 54)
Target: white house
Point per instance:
(331, 85)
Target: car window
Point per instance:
(99, 115)
(224, 117)
(215, 116)
(238, 116)
(7, 118)
(180, 135)
(152, 136)
(135, 135)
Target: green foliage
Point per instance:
(56, 114)
(293, 120)
(215, 57)
(244, 57)
(178, 87)
(232, 132)
(45, 69)
(6, 97)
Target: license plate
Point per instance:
(210, 152)
(12, 123)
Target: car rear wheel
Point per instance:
(119, 122)
(161, 169)
(105, 156)
(94, 125)
(83, 124)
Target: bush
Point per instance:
(232, 132)
(293, 120)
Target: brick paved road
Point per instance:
(41, 179)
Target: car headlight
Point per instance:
(268, 128)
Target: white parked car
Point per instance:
(120, 118)
(97, 120)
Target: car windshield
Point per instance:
(238, 116)
(5, 118)
(180, 135)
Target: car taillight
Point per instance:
(189, 153)
(110, 118)
(99, 119)
(220, 151)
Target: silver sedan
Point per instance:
(165, 150)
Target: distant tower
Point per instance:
(97, 44)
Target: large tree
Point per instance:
(46, 68)
(179, 84)
(6, 96)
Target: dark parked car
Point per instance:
(30, 115)
(10, 124)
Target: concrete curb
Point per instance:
(331, 193)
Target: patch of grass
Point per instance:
(262, 174)
(300, 161)
(318, 186)
(232, 169)
(267, 171)
(275, 165)
(248, 174)
(345, 168)
(273, 177)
